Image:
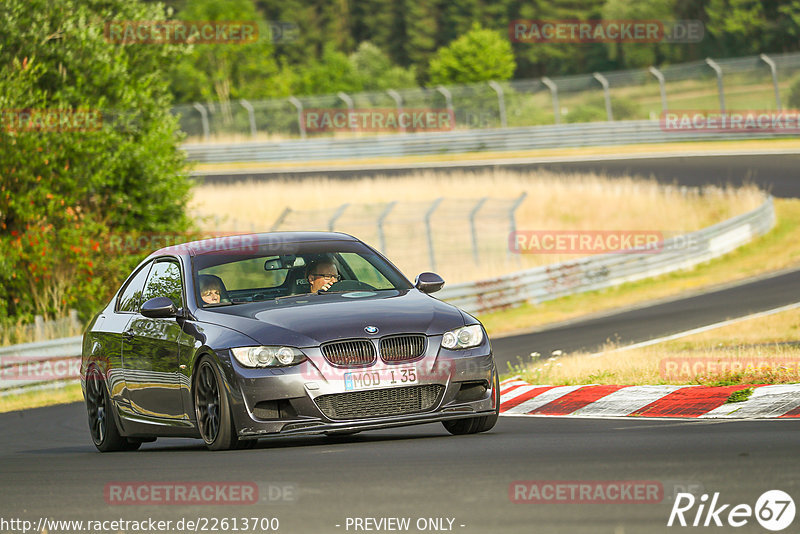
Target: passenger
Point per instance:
(322, 274)
(210, 289)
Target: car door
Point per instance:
(152, 346)
(125, 309)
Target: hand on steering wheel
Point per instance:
(327, 286)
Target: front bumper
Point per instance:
(267, 402)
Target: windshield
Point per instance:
(225, 279)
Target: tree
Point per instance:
(477, 56)
(376, 71)
(225, 71)
(636, 55)
(333, 73)
(65, 186)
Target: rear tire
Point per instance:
(102, 426)
(212, 409)
(459, 427)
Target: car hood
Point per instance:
(309, 320)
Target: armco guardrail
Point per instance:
(45, 361)
(590, 273)
(59, 359)
(455, 142)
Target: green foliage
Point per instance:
(595, 110)
(636, 55)
(794, 93)
(333, 73)
(477, 56)
(376, 71)
(225, 71)
(64, 189)
(412, 34)
(740, 395)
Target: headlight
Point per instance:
(463, 338)
(268, 356)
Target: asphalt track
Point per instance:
(651, 321)
(777, 173)
(48, 466)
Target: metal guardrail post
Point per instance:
(204, 118)
(662, 87)
(299, 106)
(606, 93)
(280, 219)
(349, 103)
(74, 322)
(428, 214)
(448, 97)
(714, 65)
(501, 102)
(554, 93)
(474, 230)
(250, 115)
(512, 221)
(336, 216)
(398, 100)
(381, 219)
(773, 69)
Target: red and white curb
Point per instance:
(518, 397)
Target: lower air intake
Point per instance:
(379, 402)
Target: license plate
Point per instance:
(380, 378)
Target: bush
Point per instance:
(479, 55)
(794, 93)
(65, 189)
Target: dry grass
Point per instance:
(778, 249)
(763, 350)
(553, 202)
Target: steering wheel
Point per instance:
(348, 285)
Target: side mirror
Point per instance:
(159, 308)
(429, 282)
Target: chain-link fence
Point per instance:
(748, 83)
(466, 237)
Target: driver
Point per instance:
(322, 274)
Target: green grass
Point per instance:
(740, 396)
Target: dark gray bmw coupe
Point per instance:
(243, 337)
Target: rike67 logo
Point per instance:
(774, 510)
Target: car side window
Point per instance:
(131, 297)
(165, 281)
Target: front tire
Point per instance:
(102, 426)
(477, 424)
(212, 409)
